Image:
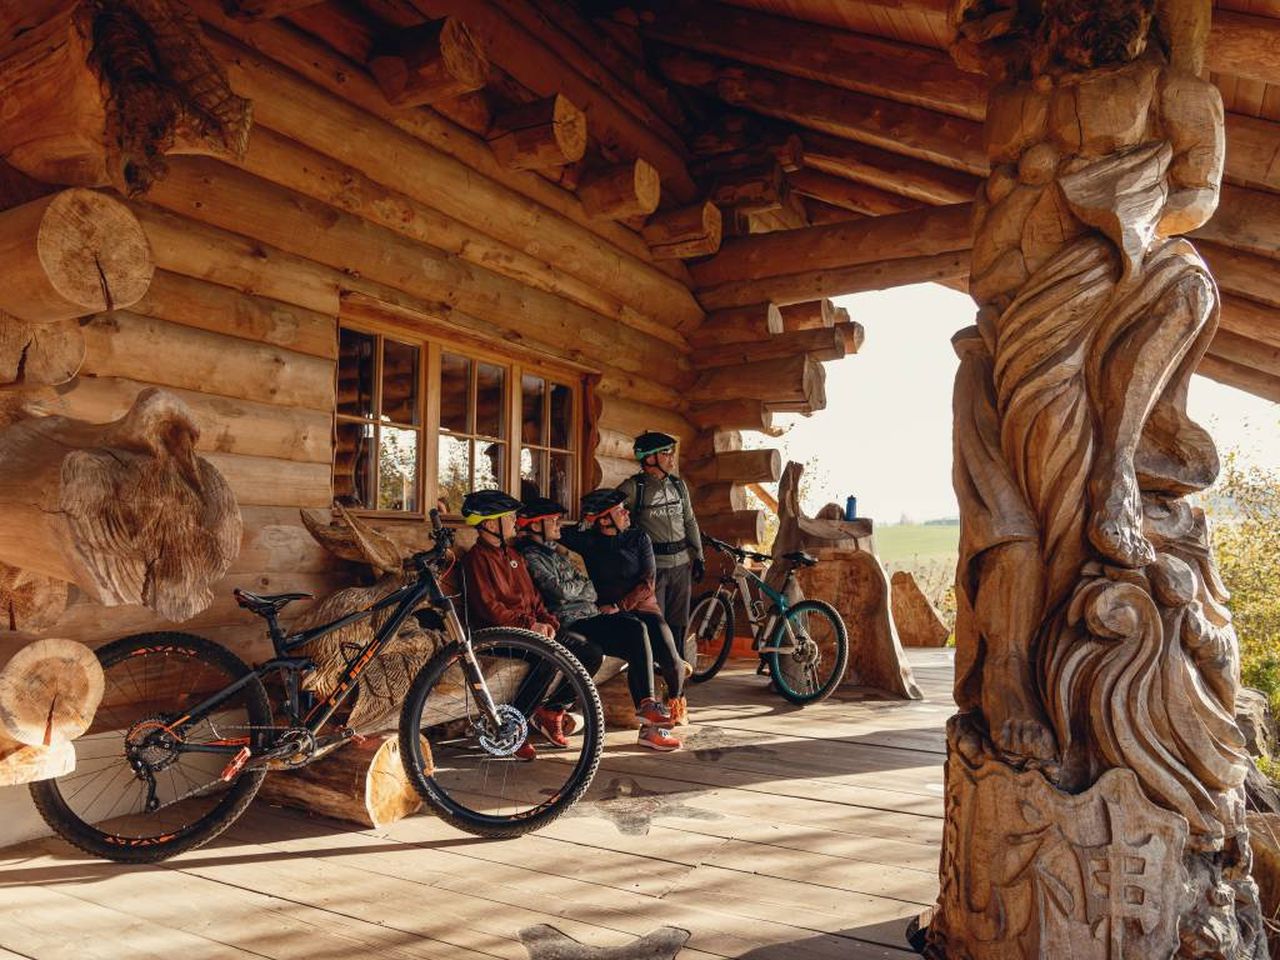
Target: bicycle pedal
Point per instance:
(232, 769)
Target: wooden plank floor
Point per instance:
(779, 833)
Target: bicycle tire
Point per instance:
(120, 703)
(437, 795)
(782, 665)
(720, 641)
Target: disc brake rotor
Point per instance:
(512, 731)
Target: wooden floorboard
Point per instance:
(779, 834)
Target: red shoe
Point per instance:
(653, 713)
(550, 723)
(526, 752)
(658, 738)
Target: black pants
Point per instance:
(673, 586)
(533, 688)
(665, 652)
(619, 635)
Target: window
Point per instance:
(423, 422)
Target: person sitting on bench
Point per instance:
(501, 594)
(619, 559)
(571, 597)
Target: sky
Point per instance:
(885, 436)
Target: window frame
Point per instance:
(432, 347)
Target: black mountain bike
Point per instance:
(184, 735)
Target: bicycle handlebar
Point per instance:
(443, 537)
(739, 552)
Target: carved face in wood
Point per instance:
(1078, 35)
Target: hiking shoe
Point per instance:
(652, 712)
(572, 722)
(526, 752)
(678, 708)
(658, 738)
(550, 723)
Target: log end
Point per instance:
(49, 692)
(25, 763)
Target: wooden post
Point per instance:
(621, 191)
(681, 234)
(538, 135)
(423, 65)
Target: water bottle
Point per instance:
(851, 508)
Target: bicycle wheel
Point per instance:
(136, 795)
(809, 651)
(712, 625)
(471, 776)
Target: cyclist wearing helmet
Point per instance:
(571, 596)
(660, 505)
(501, 594)
(619, 559)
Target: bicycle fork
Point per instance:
(471, 668)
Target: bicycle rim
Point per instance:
(712, 624)
(813, 652)
(470, 773)
(136, 795)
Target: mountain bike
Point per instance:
(803, 645)
(185, 733)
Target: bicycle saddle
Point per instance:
(800, 559)
(267, 603)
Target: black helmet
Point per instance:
(481, 505)
(601, 501)
(651, 442)
(539, 508)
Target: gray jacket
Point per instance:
(567, 592)
(667, 516)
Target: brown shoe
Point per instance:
(678, 707)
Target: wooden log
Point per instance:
(268, 481)
(225, 425)
(124, 510)
(612, 443)
(751, 189)
(39, 353)
(613, 470)
(740, 527)
(738, 141)
(748, 323)
(20, 763)
(795, 379)
(1247, 319)
(813, 315)
(916, 131)
(712, 498)
(732, 415)
(619, 708)
(275, 541)
(624, 190)
(1244, 45)
(346, 243)
(363, 783)
(1246, 275)
(426, 64)
(29, 601)
(820, 214)
(889, 171)
(1246, 352)
(852, 333)
(738, 466)
(265, 9)
(49, 690)
(849, 194)
(81, 109)
(534, 136)
(688, 232)
(1241, 377)
(134, 347)
(914, 234)
(632, 418)
(822, 344)
(339, 111)
(72, 253)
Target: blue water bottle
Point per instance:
(851, 508)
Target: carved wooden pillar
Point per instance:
(1094, 771)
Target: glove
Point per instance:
(698, 569)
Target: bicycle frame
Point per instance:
(762, 623)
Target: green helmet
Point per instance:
(651, 442)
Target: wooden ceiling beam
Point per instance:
(266, 9)
(1241, 377)
(953, 142)
(849, 194)
(887, 170)
(1242, 45)
(884, 68)
(1245, 274)
(1255, 322)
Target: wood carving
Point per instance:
(97, 92)
(125, 510)
(1092, 641)
(917, 620)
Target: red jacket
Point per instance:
(500, 592)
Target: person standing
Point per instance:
(659, 504)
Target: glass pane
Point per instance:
(491, 391)
(562, 485)
(455, 374)
(491, 465)
(453, 472)
(399, 382)
(561, 416)
(355, 373)
(533, 473)
(533, 390)
(398, 470)
(353, 465)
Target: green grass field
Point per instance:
(917, 542)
